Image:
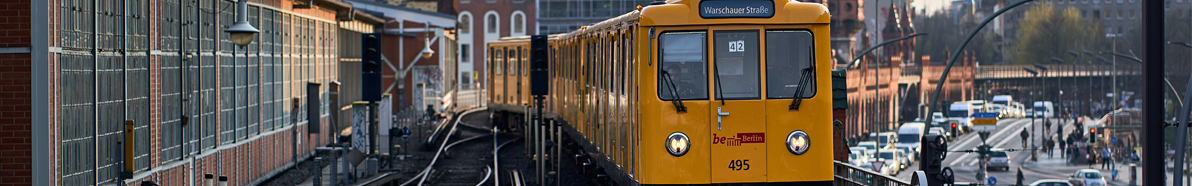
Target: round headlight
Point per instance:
(677, 144)
(798, 142)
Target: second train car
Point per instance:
(688, 92)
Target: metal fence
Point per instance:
(848, 174)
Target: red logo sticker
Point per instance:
(739, 139)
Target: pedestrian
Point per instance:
(1062, 143)
(1048, 146)
(1024, 136)
(1020, 177)
(1106, 158)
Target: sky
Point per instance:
(931, 6)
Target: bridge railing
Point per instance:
(847, 174)
(1054, 70)
(470, 99)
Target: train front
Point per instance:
(736, 91)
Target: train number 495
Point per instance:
(738, 165)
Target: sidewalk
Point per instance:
(1058, 168)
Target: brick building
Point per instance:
(482, 21)
(414, 80)
(75, 70)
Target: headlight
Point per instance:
(677, 144)
(798, 142)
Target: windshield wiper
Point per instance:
(719, 91)
(674, 92)
(804, 80)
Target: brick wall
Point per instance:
(16, 155)
(244, 163)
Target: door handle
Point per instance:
(719, 115)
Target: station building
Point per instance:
(75, 72)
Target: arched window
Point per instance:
(491, 21)
(465, 23)
(519, 23)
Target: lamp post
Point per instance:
(1182, 131)
(1043, 94)
(1075, 58)
(1033, 84)
(1059, 82)
(1090, 75)
(242, 33)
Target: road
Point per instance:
(965, 165)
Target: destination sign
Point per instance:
(736, 9)
(984, 115)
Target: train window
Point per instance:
(787, 54)
(510, 61)
(683, 57)
(498, 62)
(737, 60)
(525, 67)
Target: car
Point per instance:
(938, 117)
(939, 131)
(1087, 177)
(1050, 182)
(869, 146)
(861, 152)
(1029, 112)
(998, 159)
(887, 139)
(893, 160)
(910, 155)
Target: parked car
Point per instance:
(998, 159)
(1087, 177)
(1050, 182)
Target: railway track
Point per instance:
(468, 154)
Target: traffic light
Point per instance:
(1092, 135)
(370, 68)
(539, 63)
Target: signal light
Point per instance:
(370, 70)
(539, 63)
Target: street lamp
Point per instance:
(1076, 58)
(242, 33)
(1032, 103)
(1059, 93)
(426, 52)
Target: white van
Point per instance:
(909, 135)
(1002, 99)
(961, 111)
(1044, 109)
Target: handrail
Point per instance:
(848, 174)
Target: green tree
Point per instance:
(1047, 32)
(946, 32)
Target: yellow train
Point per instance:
(688, 92)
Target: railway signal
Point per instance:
(934, 150)
(370, 69)
(539, 61)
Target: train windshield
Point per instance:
(737, 64)
(683, 57)
(788, 53)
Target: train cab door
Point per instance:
(738, 120)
